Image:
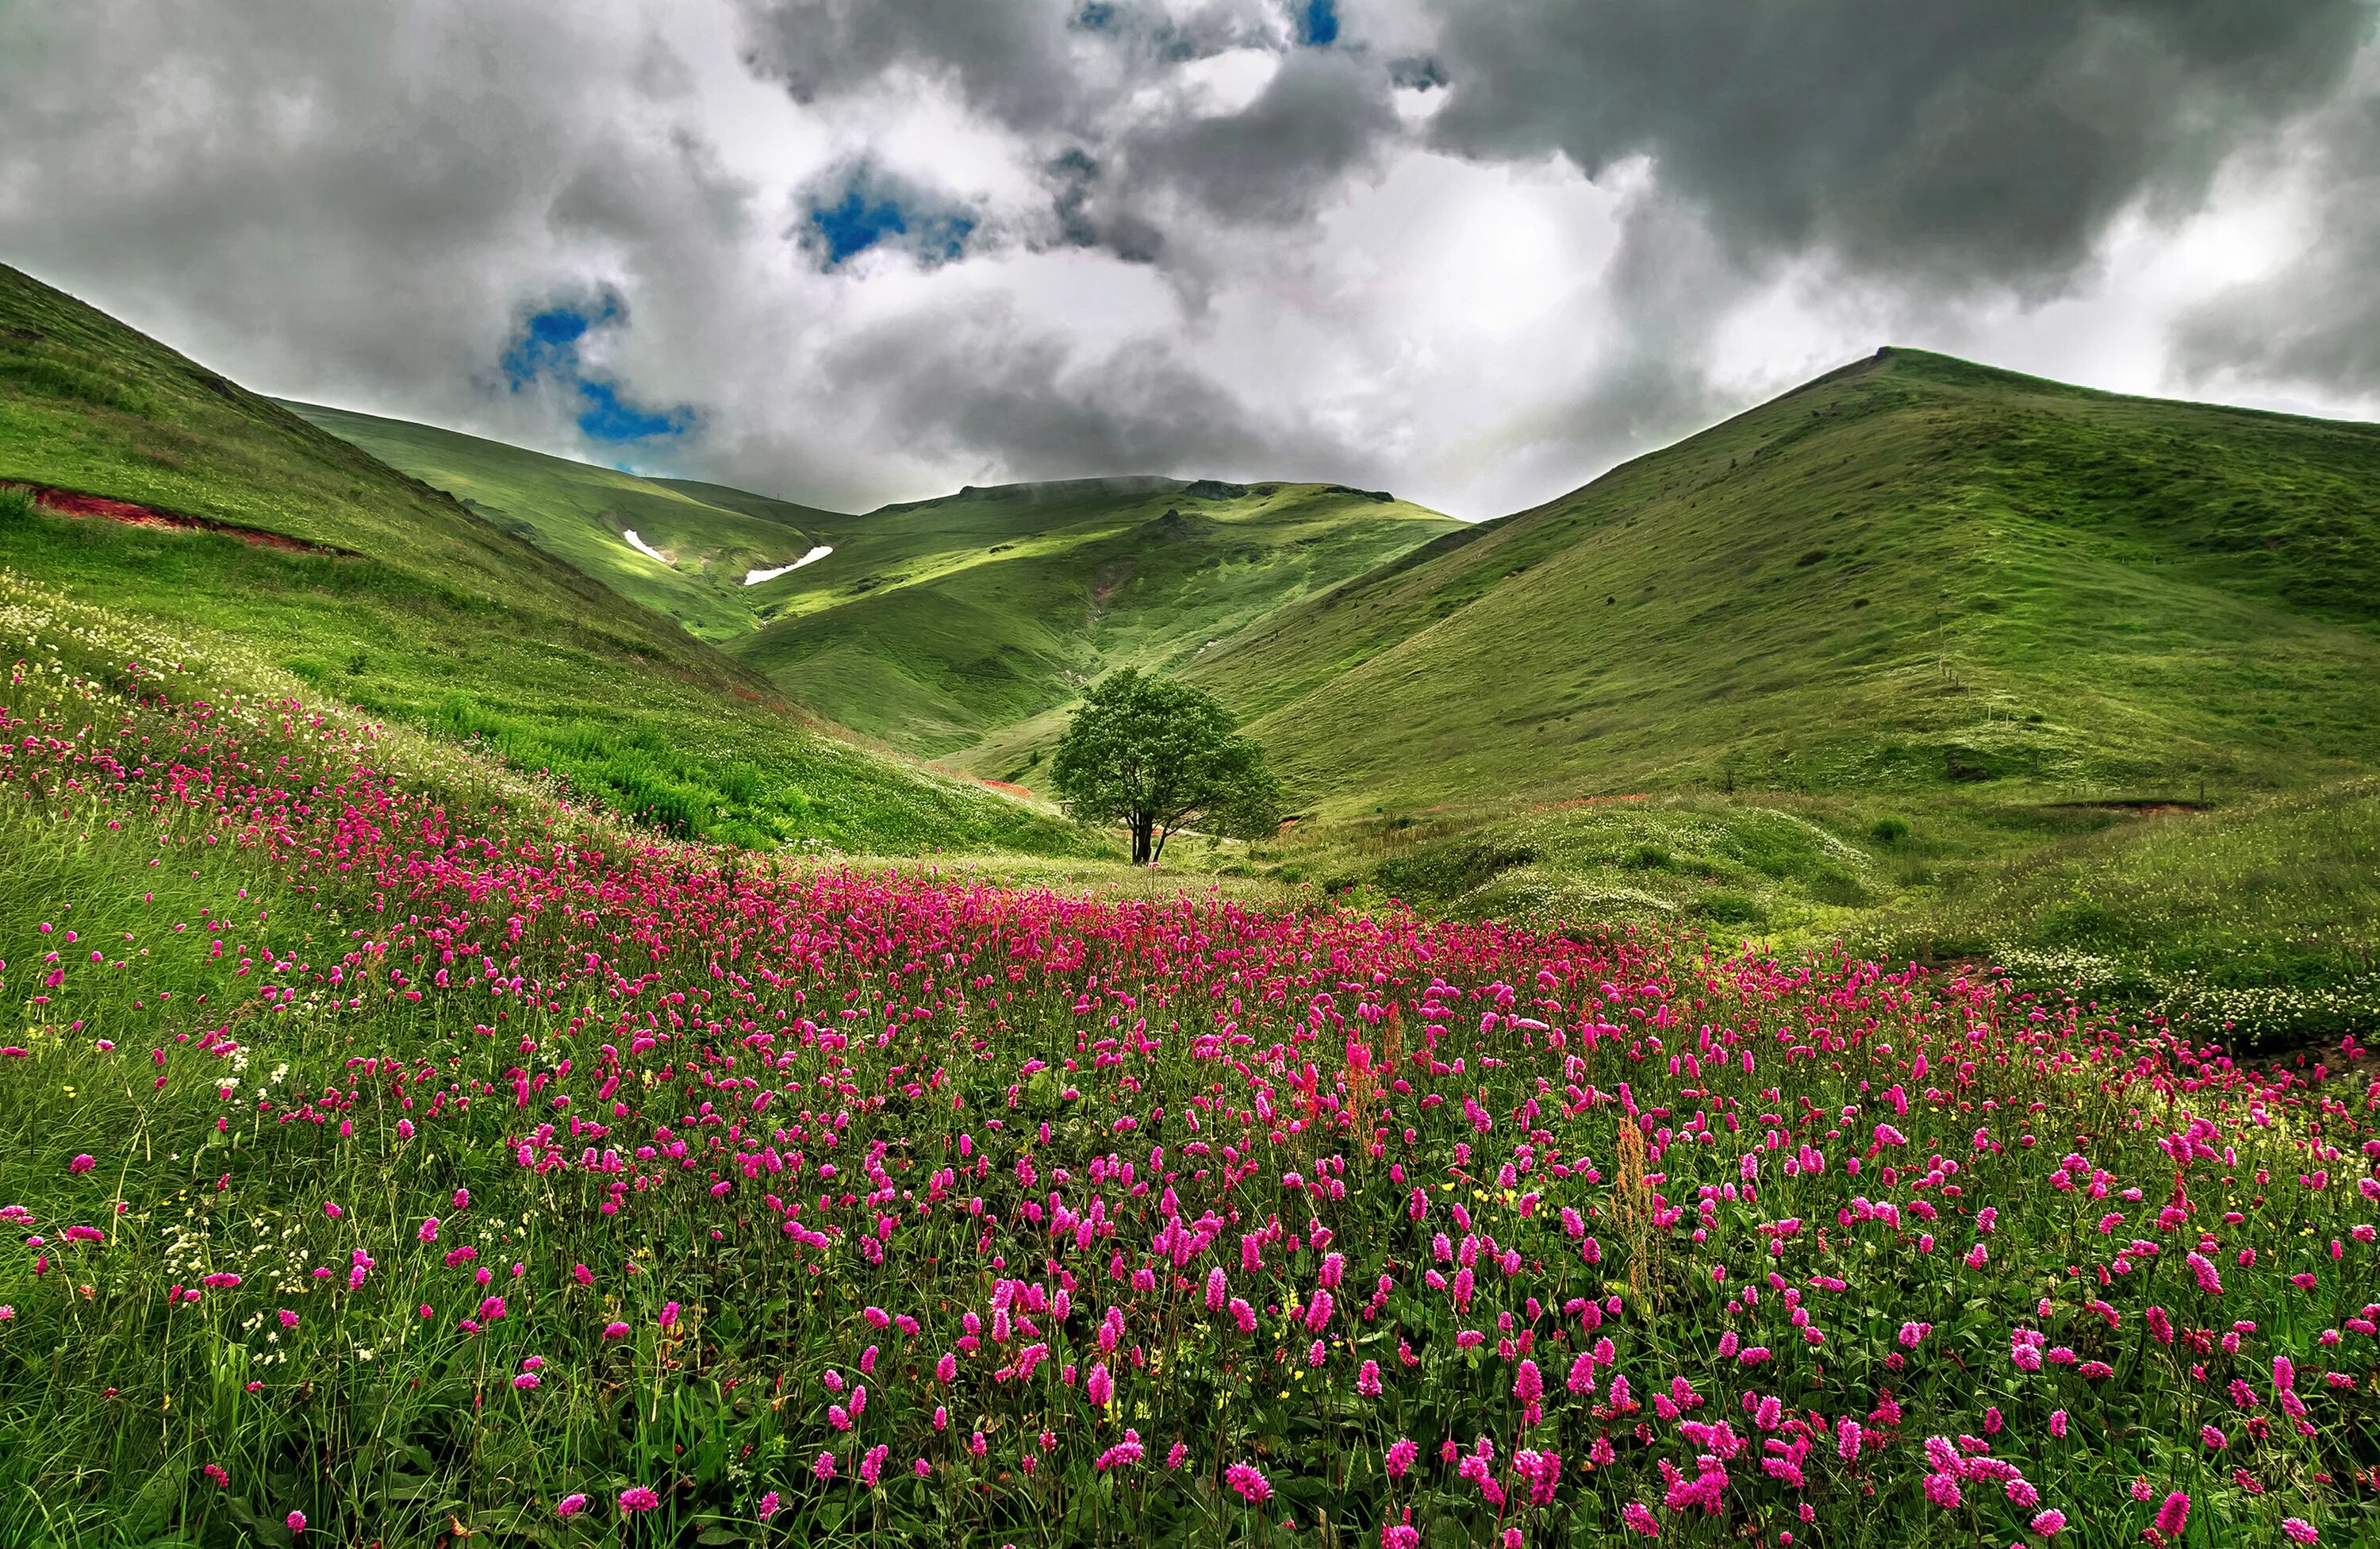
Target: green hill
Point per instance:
(582, 513)
(286, 544)
(1911, 573)
(938, 624)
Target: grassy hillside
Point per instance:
(581, 512)
(936, 624)
(383, 593)
(1912, 573)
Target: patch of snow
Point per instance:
(754, 577)
(644, 548)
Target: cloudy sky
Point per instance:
(1471, 250)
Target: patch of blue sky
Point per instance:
(545, 349)
(609, 417)
(876, 211)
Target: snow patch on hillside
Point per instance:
(754, 577)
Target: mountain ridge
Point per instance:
(1984, 475)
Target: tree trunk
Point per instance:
(1140, 833)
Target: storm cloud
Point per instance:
(1961, 141)
(1473, 251)
(2313, 322)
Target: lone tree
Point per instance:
(1157, 757)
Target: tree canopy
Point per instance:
(1158, 756)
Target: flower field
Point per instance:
(395, 1153)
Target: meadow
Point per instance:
(398, 1150)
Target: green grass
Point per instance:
(960, 626)
(2263, 922)
(402, 1159)
(2257, 924)
(578, 512)
(1911, 574)
(412, 607)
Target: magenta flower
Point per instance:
(1251, 1484)
(1638, 1519)
(1099, 1388)
(2300, 1531)
(615, 1331)
(823, 1469)
(769, 1504)
(638, 1497)
(2174, 1515)
(570, 1505)
(1124, 1454)
(2049, 1523)
(81, 1164)
(1399, 1457)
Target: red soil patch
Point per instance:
(73, 503)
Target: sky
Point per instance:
(1474, 252)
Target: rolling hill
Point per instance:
(236, 521)
(583, 514)
(938, 625)
(935, 624)
(1912, 573)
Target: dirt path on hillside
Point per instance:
(74, 503)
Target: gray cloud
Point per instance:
(1007, 59)
(1956, 141)
(986, 390)
(2317, 321)
(1076, 80)
(1321, 119)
